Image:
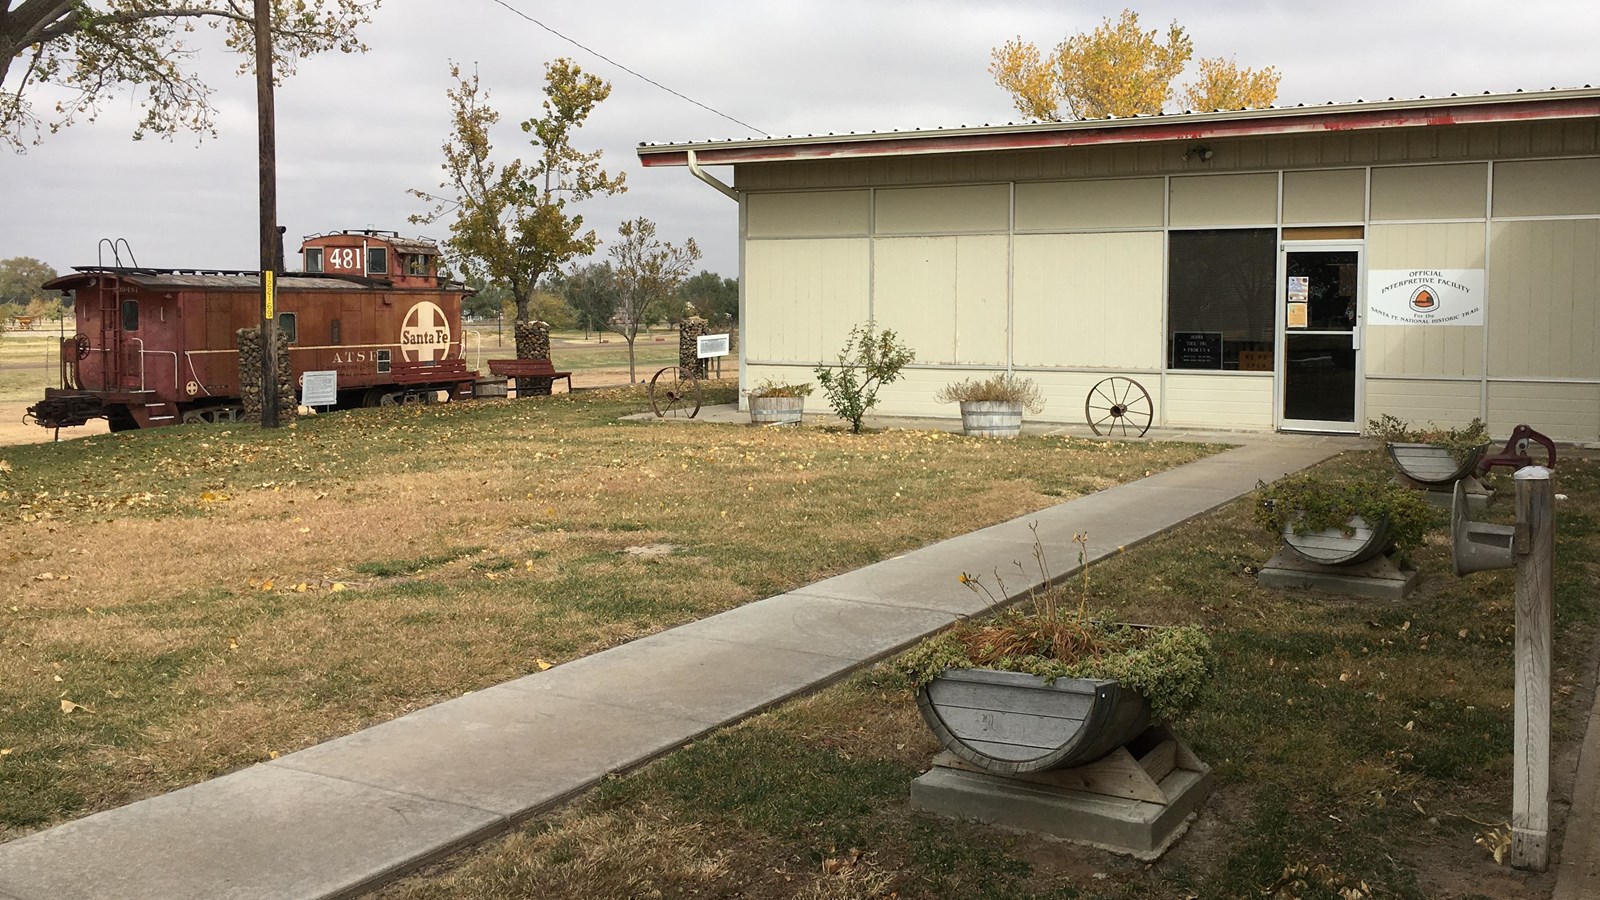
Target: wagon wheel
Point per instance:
(81, 342)
(1119, 403)
(675, 391)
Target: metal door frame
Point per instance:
(1281, 331)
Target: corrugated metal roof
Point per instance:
(1165, 126)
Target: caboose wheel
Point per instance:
(675, 392)
(1119, 404)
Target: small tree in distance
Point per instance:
(870, 359)
(648, 271)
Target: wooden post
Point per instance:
(1535, 548)
(265, 117)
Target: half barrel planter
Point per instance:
(1359, 542)
(1433, 465)
(1013, 723)
(991, 418)
(777, 410)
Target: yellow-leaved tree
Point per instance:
(1223, 84)
(1120, 69)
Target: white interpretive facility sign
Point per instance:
(1425, 296)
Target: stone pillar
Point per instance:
(249, 342)
(689, 331)
(533, 342)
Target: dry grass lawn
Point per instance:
(1362, 750)
(183, 602)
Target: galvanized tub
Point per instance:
(776, 410)
(991, 418)
(1011, 723)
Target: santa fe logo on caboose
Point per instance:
(425, 334)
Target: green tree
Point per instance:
(591, 291)
(1121, 70)
(87, 52)
(511, 224)
(870, 359)
(648, 271)
(489, 300)
(21, 279)
(715, 298)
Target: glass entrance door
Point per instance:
(1319, 360)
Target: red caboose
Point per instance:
(158, 346)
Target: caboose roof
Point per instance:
(206, 279)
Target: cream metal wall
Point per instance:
(1053, 264)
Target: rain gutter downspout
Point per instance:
(708, 178)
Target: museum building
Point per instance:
(1291, 268)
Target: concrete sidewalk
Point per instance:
(334, 819)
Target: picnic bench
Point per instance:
(1431, 464)
(541, 372)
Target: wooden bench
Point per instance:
(538, 369)
(449, 375)
(1433, 465)
(437, 372)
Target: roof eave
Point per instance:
(1487, 109)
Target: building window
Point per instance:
(377, 260)
(288, 326)
(313, 259)
(1220, 306)
(130, 315)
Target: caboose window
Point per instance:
(416, 264)
(130, 315)
(313, 259)
(288, 326)
(377, 261)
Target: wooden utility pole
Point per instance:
(265, 117)
(1534, 544)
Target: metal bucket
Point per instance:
(991, 418)
(776, 410)
(489, 387)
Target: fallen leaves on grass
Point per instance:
(68, 707)
(1497, 840)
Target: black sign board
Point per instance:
(1197, 349)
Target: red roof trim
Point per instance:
(1125, 131)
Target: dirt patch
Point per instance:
(13, 430)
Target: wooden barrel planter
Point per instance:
(1333, 547)
(777, 410)
(991, 418)
(1013, 723)
(491, 386)
(1431, 464)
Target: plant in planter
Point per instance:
(778, 402)
(984, 686)
(1372, 516)
(1435, 458)
(993, 407)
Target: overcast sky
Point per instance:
(355, 132)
